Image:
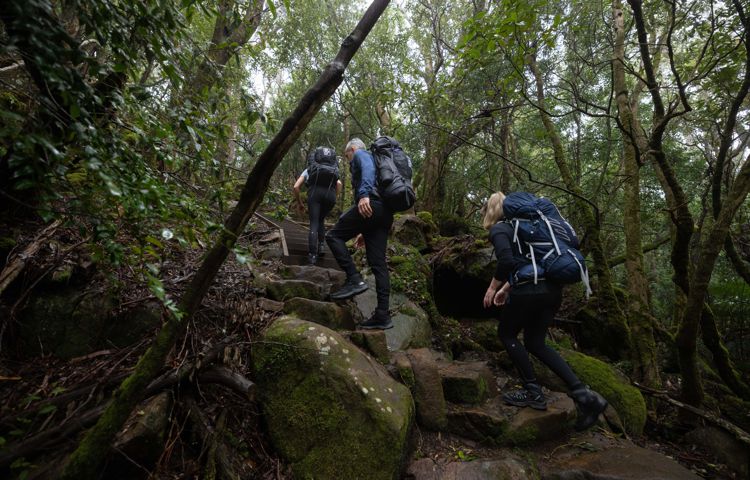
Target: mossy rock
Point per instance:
(328, 314)
(411, 275)
(331, 411)
(70, 323)
(624, 398)
(413, 231)
(484, 332)
(282, 290)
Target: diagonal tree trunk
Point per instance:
(87, 458)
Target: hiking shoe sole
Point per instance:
(534, 405)
(377, 326)
(355, 290)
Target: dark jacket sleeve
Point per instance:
(501, 237)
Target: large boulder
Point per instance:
(411, 326)
(593, 455)
(331, 411)
(510, 467)
(412, 230)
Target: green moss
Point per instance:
(624, 398)
(312, 419)
(7, 243)
(519, 438)
(407, 376)
(425, 216)
(411, 274)
(465, 390)
(406, 310)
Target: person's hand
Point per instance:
(364, 207)
(359, 242)
(500, 297)
(489, 296)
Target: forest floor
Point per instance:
(43, 394)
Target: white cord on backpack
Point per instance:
(584, 275)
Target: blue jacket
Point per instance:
(364, 180)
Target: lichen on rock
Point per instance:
(331, 411)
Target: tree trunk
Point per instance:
(720, 354)
(609, 308)
(709, 249)
(640, 320)
(86, 460)
(508, 150)
(712, 244)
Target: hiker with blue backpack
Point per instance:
(381, 182)
(537, 252)
(323, 186)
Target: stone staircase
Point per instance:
(460, 399)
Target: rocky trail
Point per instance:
(339, 408)
(274, 380)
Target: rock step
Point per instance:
(589, 455)
(496, 422)
(467, 382)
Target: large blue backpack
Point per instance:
(545, 238)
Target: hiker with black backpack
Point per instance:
(369, 220)
(323, 186)
(536, 253)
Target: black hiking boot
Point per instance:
(377, 321)
(589, 405)
(530, 396)
(312, 259)
(320, 249)
(351, 288)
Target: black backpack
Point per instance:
(322, 167)
(393, 169)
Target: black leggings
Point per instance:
(320, 202)
(531, 308)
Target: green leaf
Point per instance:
(47, 409)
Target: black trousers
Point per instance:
(320, 202)
(531, 308)
(375, 232)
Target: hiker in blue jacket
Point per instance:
(370, 221)
(530, 307)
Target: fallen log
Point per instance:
(17, 262)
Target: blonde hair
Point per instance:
(493, 210)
